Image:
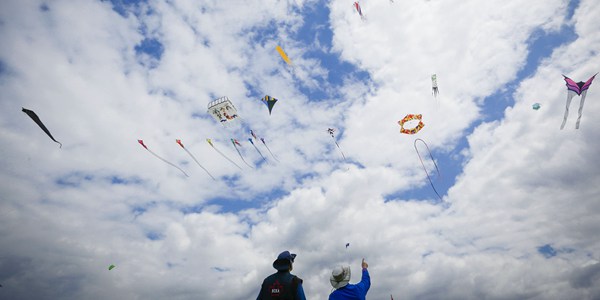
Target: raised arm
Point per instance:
(365, 281)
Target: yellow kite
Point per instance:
(283, 55)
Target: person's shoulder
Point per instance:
(297, 279)
(271, 276)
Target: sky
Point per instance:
(517, 217)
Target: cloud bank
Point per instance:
(518, 216)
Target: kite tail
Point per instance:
(580, 108)
(178, 168)
(231, 161)
(430, 156)
(275, 158)
(342, 152)
(569, 98)
(424, 168)
(338, 146)
(260, 153)
(238, 151)
(194, 158)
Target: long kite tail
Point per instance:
(178, 168)
(238, 151)
(231, 161)
(261, 155)
(338, 146)
(570, 95)
(263, 141)
(422, 164)
(581, 102)
(342, 152)
(194, 158)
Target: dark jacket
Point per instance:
(282, 286)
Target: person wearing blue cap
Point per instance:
(282, 285)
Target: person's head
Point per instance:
(284, 261)
(340, 276)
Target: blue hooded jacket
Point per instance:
(353, 291)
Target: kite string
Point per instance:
(424, 168)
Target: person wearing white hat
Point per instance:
(282, 285)
(340, 278)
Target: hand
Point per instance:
(364, 264)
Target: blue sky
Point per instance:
(103, 74)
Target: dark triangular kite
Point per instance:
(37, 120)
(269, 102)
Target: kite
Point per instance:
(223, 110)
(145, 147)
(37, 120)
(211, 144)
(347, 245)
(536, 106)
(263, 141)
(357, 6)
(253, 135)
(251, 142)
(434, 87)
(235, 144)
(579, 88)
(422, 164)
(331, 131)
(269, 102)
(411, 117)
(188, 152)
(283, 55)
(111, 267)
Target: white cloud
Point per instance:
(67, 214)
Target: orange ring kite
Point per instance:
(410, 117)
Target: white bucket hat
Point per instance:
(340, 276)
